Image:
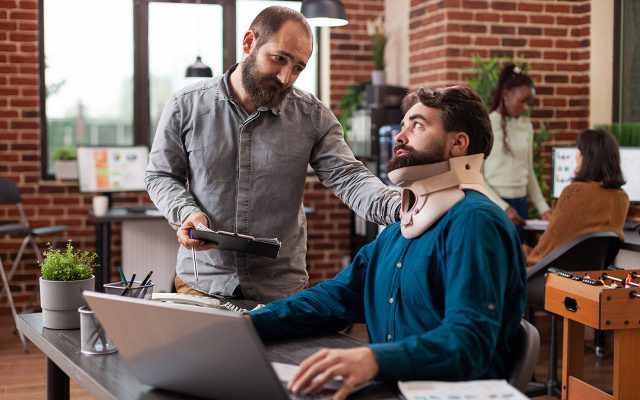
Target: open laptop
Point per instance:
(200, 351)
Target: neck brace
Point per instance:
(429, 191)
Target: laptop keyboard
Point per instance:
(321, 394)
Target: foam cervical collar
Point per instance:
(430, 190)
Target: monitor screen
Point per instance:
(563, 165)
(112, 169)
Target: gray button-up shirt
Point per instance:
(247, 174)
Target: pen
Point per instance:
(124, 280)
(193, 254)
(133, 278)
(146, 278)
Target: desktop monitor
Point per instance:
(563, 164)
(112, 168)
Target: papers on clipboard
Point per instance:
(266, 247)
(489, 389)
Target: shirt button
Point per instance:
(391, 300)
(399, 265)
(388, 338)
(491, 307)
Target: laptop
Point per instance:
(200, 351)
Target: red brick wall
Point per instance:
(551, 36)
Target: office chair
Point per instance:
(10, 194)
(594, 250)
(527, 348)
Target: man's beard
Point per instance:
(414, 157)
(264, 90)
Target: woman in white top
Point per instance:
(509, 168)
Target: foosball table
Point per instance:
(606, 300)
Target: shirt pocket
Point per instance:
(421, 283)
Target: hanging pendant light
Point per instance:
(198, 70)
(324, 12)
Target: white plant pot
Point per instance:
(60, 301)
(66, 169)
(377, 77)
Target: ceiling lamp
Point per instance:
(198, 70)
(324, 12)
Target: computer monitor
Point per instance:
(563, 164)
(112, 168)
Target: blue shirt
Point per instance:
(443, 306)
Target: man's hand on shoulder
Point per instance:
(356, 366)
(191, 223)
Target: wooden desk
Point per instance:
(108, 377)
(631, 238)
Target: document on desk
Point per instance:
(267, 247)
(490, 389)
(536, 224)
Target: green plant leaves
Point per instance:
(68, 265)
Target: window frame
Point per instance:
(141, 108)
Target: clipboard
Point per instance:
(266, 247)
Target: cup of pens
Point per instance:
(93, 339)
(131, 287)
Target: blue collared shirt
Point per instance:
(443, 306)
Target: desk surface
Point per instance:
(631, 237)
(108, 377)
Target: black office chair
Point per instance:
(527, 348)
(10, 194)
(594, 250)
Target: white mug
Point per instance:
(100, 205)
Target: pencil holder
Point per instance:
(93, 339)
(135, 290)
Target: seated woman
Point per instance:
(594, 201)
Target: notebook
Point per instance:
(200, 351)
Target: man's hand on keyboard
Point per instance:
(355, 366)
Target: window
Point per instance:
(89, 76)
(110, 66)
(627, 63)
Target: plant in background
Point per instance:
(349, 103)
(627, 133)
(376, 31)
(64, 153)
(69, 265)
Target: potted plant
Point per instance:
(64, 276)
(66, 167)
(376, 31)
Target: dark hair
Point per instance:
(462, 110)
(510, 77)
(600, 159)
(271, 19)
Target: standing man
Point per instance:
(442, 292)
(232, 153)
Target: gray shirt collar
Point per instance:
(225, 92)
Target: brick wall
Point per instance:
(51, 202)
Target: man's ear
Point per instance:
(459, 144)
(248, 41)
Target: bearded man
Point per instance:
(443, 291)
(232, 152)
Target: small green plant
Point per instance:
(378, 35)
(67, 266)
(64, 153)
(349, 103)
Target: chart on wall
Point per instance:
(112, 169)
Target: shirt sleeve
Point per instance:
(348, 178)
(327, 307)
(533, 187)
(167, 171)
(476, 274)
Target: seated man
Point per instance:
(443, 291)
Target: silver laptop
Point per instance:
(195, 350)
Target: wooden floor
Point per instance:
(23, 376)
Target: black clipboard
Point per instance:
(239, 242)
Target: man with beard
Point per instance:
(443, 291)
(232, 153)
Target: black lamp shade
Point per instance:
(198, 70)
(324, 12)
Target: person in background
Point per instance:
(509, 169)
(232, 152)
(594, 201)
(443, 291)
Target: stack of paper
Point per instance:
(469, 390)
